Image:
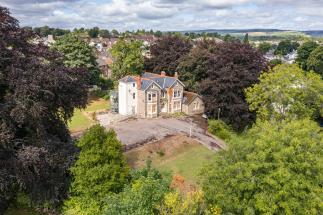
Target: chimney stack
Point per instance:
(163, 73)
(176, 75)
(138, 79)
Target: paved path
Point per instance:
(136, 131)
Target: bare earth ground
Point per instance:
(134, 132)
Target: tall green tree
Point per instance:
(233, 67)
(246, 38)
(264, 47)
(76, 53)
(303, 53)
(104, 33)
(38, 95)
(286, 92)
(276, 169)
(94, 32)
(128, 58)
(285, 47)
(315, 61)
(166, 53)
(101, 169)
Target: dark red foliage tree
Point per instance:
(166, 53)
(38, 95)
(233, 67)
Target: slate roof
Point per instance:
(148, 78)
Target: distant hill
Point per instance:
(258, 32)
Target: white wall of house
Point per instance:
(127, 98)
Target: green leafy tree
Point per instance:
(100, 170)
(303, 53)
(264, 47)
(276, 169)
(246, 38)
(141, 197)
(274, 62)
(315, 61)
(94, 32)
(285, 47)
(104, 33)
(286, 92)
(115, 33)
(128, 58)
(77, 53)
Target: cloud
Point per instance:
(169, 14)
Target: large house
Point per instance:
(150, 94)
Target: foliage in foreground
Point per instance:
(38, 95)
(286, 92)
(141, 197)
(220, 129)
(276, 169)
(100, 170)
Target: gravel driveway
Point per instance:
(139, 131)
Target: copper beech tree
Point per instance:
(38, 95)
(231, 67)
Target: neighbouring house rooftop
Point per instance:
(188, 97)
(148, 78)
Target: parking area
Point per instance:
(140, 131)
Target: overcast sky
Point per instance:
(170, 14)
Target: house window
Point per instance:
(133, 84)
(196, 105)
(152, 109)
(151, 96)
(134, 95)
(177, 105)
(163, 94)
(177, 94)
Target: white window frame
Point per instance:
(196, 105)
(177, 93)
(177, 107)
(152, 95)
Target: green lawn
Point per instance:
(21, 211)
(176, 155)
(82, 119)
(187, 163)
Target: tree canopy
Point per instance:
(303, 53)
(233, 67)
(38, 95)
(286, 92)
(193, 67)
(264, 47)
(100, 170)
(315, 61)
(276, 169)
(166, 53)
(128, 58)
(77, 53)
(285, 47)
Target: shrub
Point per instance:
(220, 129)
